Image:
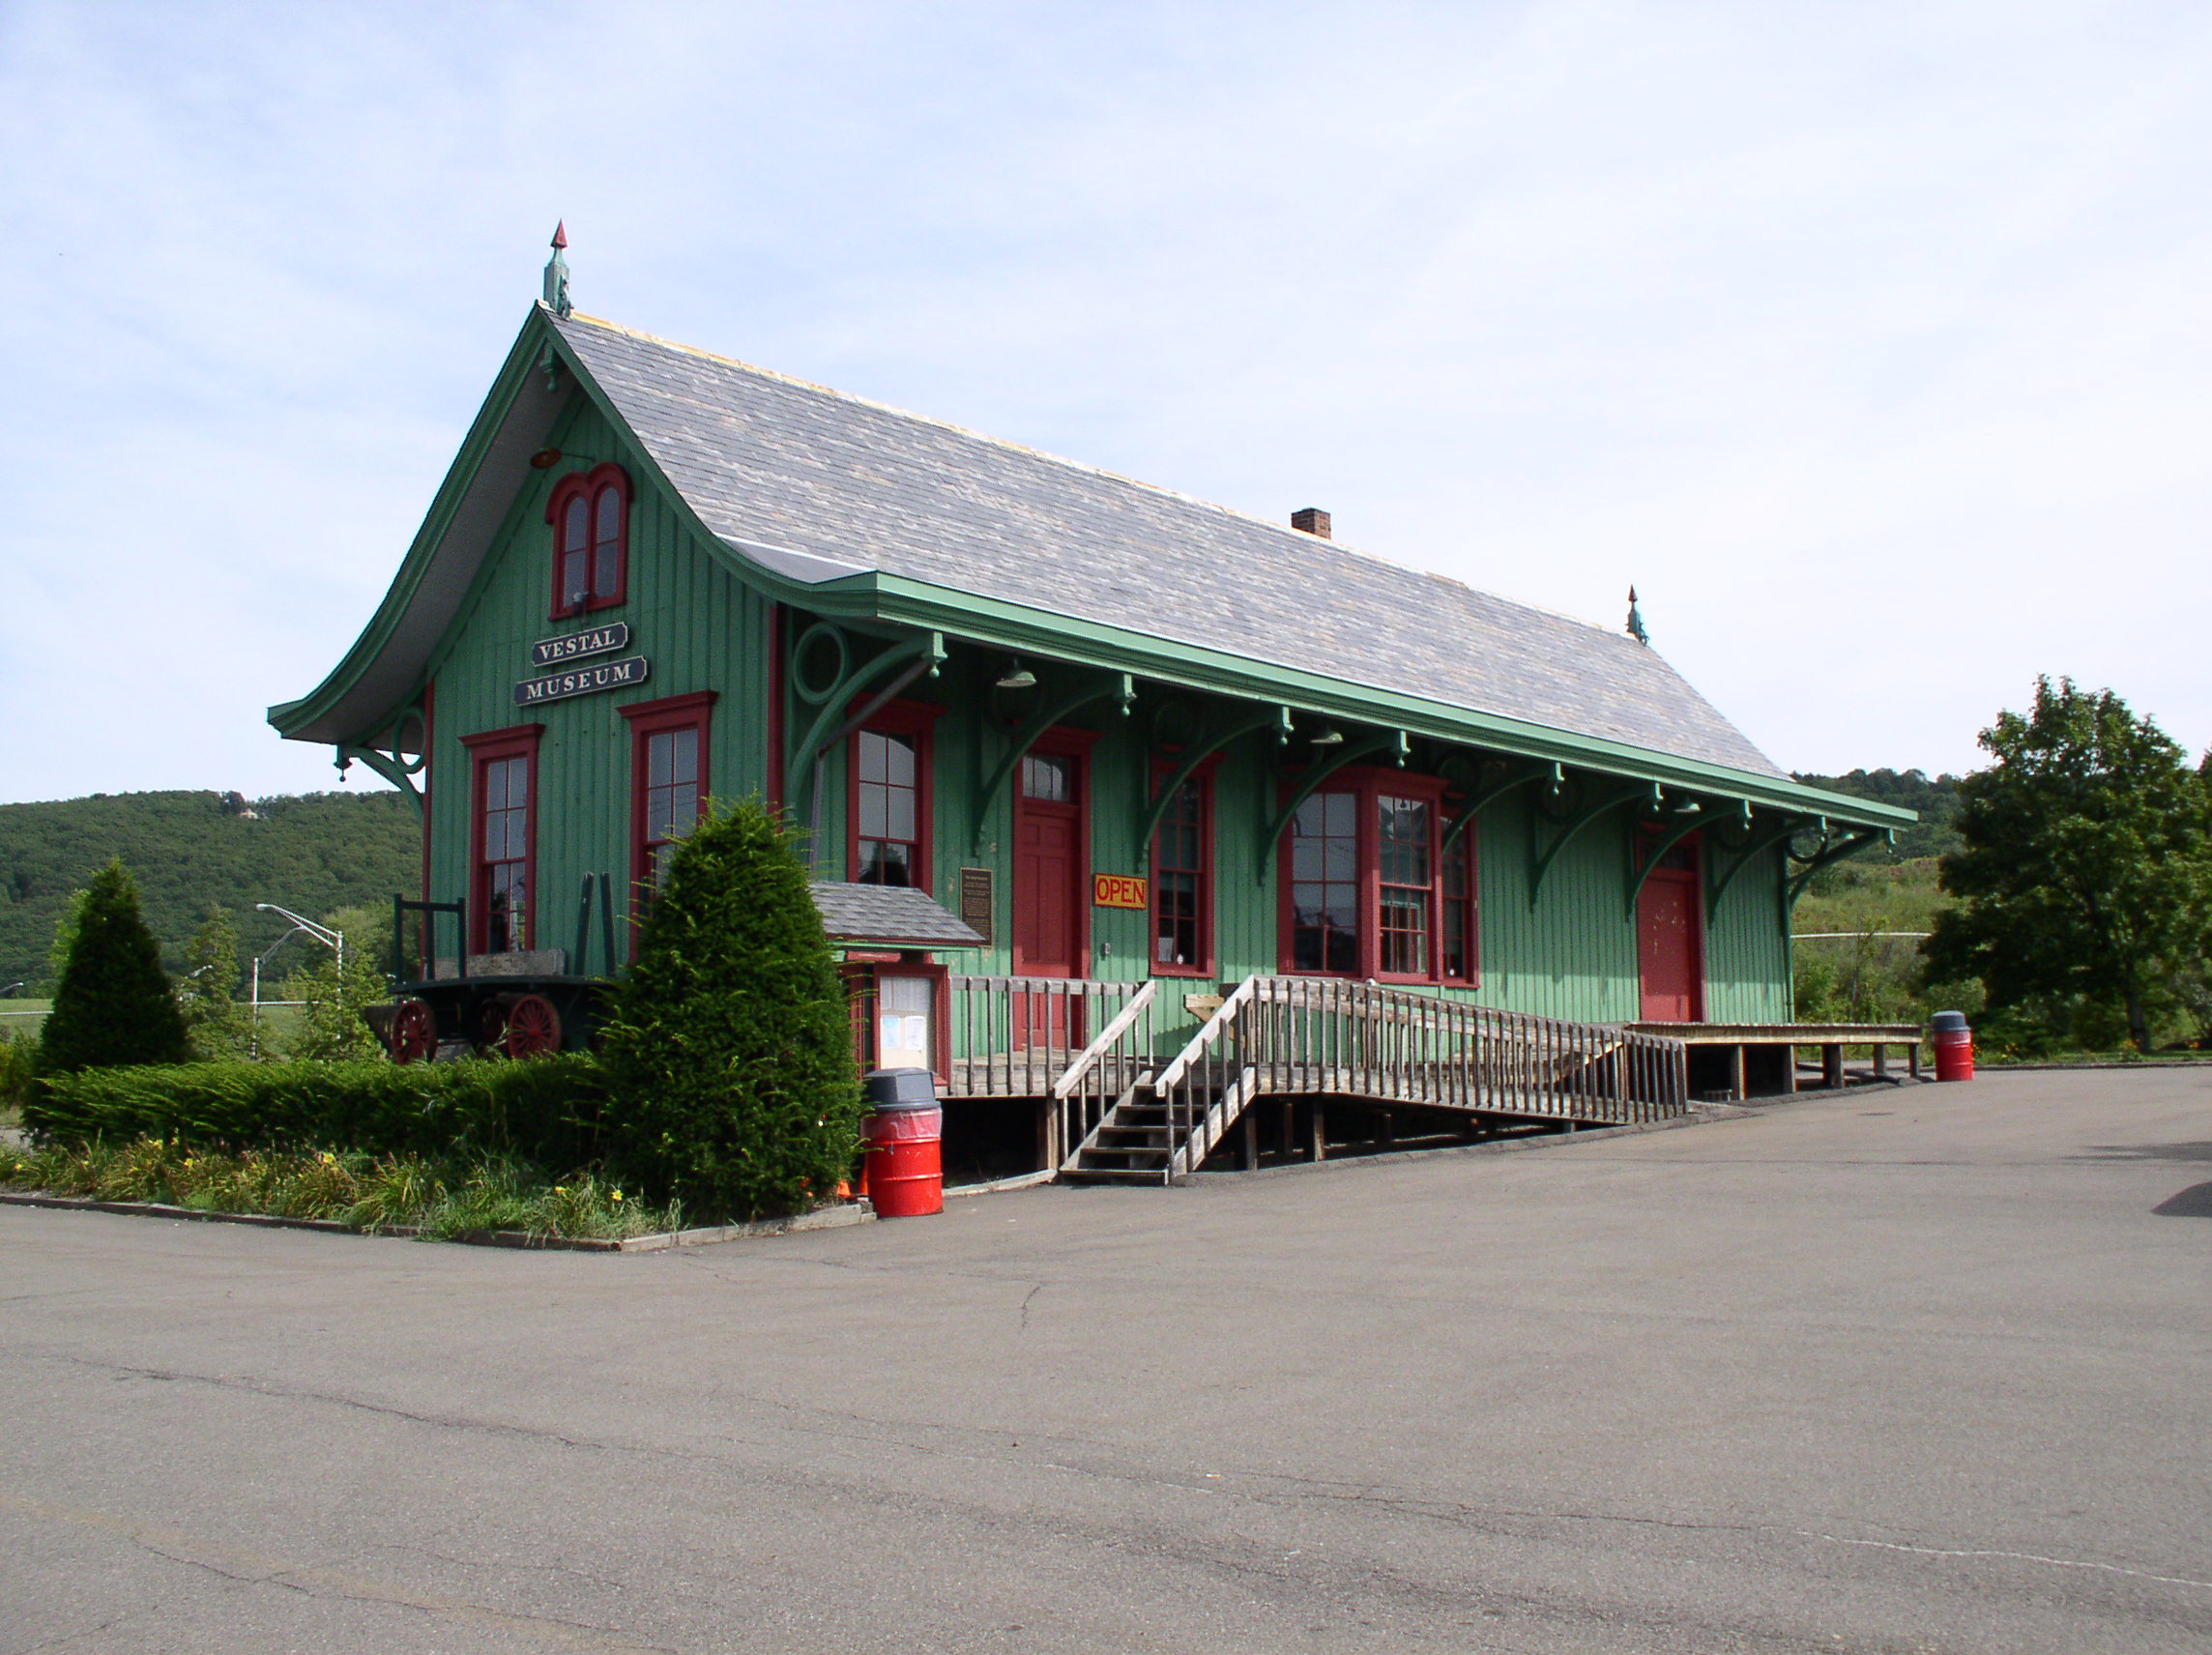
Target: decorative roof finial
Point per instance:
(557, 274)
(1636, 622)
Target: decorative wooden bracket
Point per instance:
(1394, 742)
(1279, 720)
(1691, 822)
(1790, 826)
(1122, 689)
(1540, 863)
(388, 767)
(1851, 845)
(924, 653)
(1490, 796)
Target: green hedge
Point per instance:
(545, 1111)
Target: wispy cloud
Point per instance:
(1869, 341)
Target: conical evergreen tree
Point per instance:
(729, 1056)
(113, 1005)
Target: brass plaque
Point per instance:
(975, 900)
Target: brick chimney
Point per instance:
(1312, 520)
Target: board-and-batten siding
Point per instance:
(701, 628)
(1571, 955)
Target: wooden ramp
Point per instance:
(1299, 1037)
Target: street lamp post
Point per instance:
(322, 934)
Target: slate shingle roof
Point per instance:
(766, 459)
(891, 915)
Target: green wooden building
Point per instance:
(1124, 737)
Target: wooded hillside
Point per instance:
(316, 852)
(1936, 798)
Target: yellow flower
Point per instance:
(560, 1189)
(617, 1195)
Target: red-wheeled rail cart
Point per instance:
(521, 1003)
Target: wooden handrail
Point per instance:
(1245, 994)
(1078, 1070)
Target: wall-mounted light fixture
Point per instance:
(1327, 738)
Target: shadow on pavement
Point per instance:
(2194, 1202)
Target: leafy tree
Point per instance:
(729, 1053)
(207, 994)
(2087, 861)
(113, 1004)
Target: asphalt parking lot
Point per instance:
(1928, 1369)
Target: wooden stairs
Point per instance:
(1149, 1139)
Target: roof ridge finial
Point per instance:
(1636, 622)
(557, 274)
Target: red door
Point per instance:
(1670, 961)
(1048, 891)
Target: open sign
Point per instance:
(1118, 891)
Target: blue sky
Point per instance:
(1869, 341)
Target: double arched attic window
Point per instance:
(589, 514)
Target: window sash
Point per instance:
(1179, 894)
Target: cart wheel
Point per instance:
(532, 1026)
(414, 1033)
(491, 1025)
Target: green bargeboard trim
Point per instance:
(877, 595)
(290, 716)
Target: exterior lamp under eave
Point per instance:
(1017, 677)
(1326, 739)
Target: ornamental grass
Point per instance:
(438, 1199)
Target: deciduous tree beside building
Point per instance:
(2086, 869)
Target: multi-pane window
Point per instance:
(1179, 881)
(1048, 777)
(1408, 888)
(888, 841)
(1324, 884)
(590, 516)
(670, 795)
(1368, 890)
(668, 778)
(504, 856)
(1460, 959)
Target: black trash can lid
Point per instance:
(1946, 1021)
(899, 1089)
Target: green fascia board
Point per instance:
(901, 600)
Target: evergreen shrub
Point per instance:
(729, 1051)
(113, 1005)
(545, 1111)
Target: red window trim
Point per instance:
(588, 484)
(1064, 742)
(649, 718)
(919, 720)
(1203, 776)
(485, 746)
(1464, 846)
(1371, 783)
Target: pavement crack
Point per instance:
(2010, 1556)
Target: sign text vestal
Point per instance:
(574, 646)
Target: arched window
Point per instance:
(589, 514)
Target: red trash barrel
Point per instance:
(904, 1131)
(1954, 1046)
